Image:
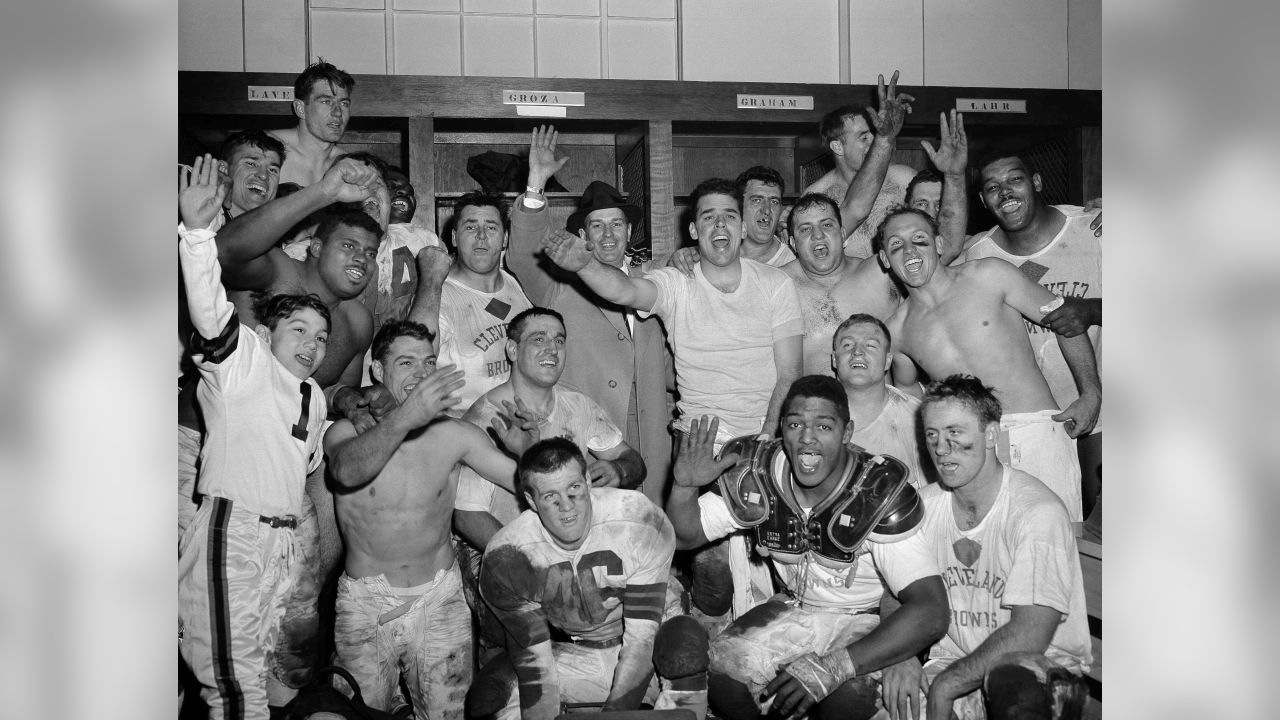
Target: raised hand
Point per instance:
(433, 264)
(543, 162)
(952, 154)
(696, 464)
(893, 108)
(433, 395)
(567, 250)
(350, 180)
(200, 192)
(516, 426)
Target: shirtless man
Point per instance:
(322, 102)
(968, 319)
(1058, 247)
(337, 268)
(400, 608)
(831, 286)
(883, 417)
(848, 133)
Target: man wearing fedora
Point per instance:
(614, 357)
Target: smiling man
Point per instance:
(591, 565)
(616, 358)
(883, 417)
(1018, 640)
(969, 319)
(250, 160)
(1058, 247)
(400, 609)
(739, 376)
(322, 103)
(834, 520)
(537, 347)
(725, 291)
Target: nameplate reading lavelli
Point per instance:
(543, 97)
(990, 105)
(775, 102)
(271, 93)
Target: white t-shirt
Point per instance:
(1070, 266)
(473, 330)
(1022, 553)
(573, 416)
(723, 342)
(856, 588)
(893, 433)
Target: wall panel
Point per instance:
(761, 40)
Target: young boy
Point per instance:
(264, 416)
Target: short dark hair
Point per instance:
(388, 334)
(928, 175)
(271, 309)
(808, 201)
(320, 71)
(968, 391)
(480, 198)
(877, 240)
(995, 155)
(545, 457)
(861, 319)
(760, 173)
(832, 124)
(515, 328)
(714, 186)
(339, 214)
(819, 386)
(252, 138)
(369, 159)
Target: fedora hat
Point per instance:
(600, 196)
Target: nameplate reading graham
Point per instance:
(775, 102)
(543, 97)
(271, 93)
(990, 105)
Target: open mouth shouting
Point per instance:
(809, 460)
(355, 273)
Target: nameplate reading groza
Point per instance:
(775, 102)
(270, 93)
(991, 105)
(543, 97)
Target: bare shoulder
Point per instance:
(357, 315)
(288, 136)
(794, 271)
(824, 183)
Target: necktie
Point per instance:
(300, 429)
